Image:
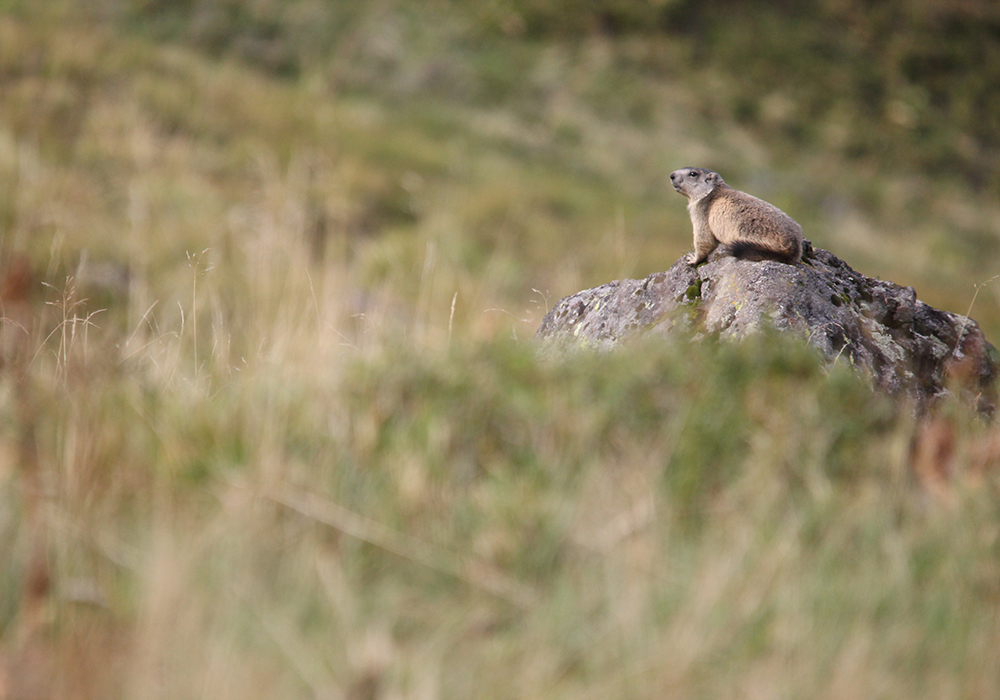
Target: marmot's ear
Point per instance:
(710, 177)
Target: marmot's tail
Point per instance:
(751, 250)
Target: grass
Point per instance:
(272, 424)
(422, 523)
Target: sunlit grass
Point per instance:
(327, 519)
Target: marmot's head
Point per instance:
(695, 183)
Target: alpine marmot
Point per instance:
(751, 228)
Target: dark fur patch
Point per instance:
(748, 250)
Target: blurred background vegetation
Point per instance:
(272, 422)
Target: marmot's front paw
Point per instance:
(691, 258)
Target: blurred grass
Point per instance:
(272, 426)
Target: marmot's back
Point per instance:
(752, 228)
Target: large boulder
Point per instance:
(904, 345)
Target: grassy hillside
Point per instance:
(273, 425)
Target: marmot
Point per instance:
(750, 227)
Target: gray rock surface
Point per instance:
(904, 345)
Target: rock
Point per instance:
(904, 345)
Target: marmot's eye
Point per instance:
(692, 174)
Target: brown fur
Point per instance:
(751, 228)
